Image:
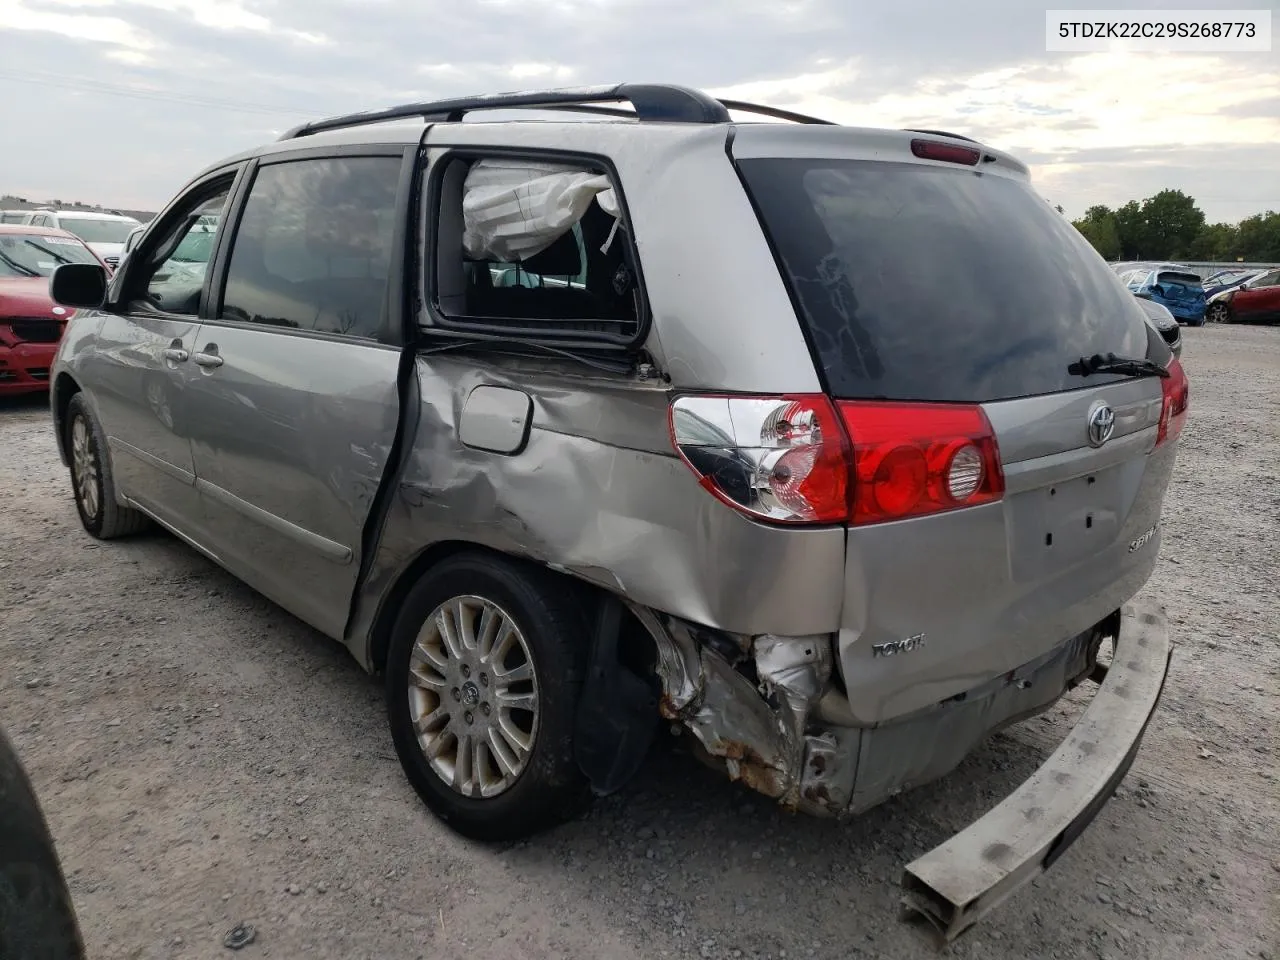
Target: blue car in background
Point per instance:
(1172, 286)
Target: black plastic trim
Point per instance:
(652, 101)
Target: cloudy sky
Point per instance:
(119, 101)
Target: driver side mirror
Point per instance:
(79, 285)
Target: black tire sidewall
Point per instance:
(551, 788)
(78, 409)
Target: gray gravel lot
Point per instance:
(204, 758)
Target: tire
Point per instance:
(37, 917)
(463, 696)
(92, 482)
(1218, 313)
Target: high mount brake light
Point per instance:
(947, 152)
(1176, 393)
(803, 459)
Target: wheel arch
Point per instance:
(64, 388)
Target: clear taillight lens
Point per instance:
(776, 458)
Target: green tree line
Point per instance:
(1170, 226)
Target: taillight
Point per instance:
(912, 459)
(1173, 409)
(776, 458)
(948, 152)
(801, 459)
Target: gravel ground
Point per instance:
(204, 758)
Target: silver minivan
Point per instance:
(839, 448)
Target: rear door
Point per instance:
(953, 284)
(294, 401)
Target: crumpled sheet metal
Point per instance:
(762, 745)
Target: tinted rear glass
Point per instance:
(925, 283)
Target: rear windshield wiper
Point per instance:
(1129, 366)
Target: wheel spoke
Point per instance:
(425, 724)
(425, 680)
(464, 622)
(479, 766)
(515, 675)
(516, 701)
(502, 646)
(463, 780)
(490, 623)
(438, 743)
(434, 656)
(515, 738)
(448, 632)
(508, 761)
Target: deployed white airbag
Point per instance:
(514, 209)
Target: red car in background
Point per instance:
(1256, 301)
(31, 324)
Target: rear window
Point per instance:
(918, 282)
(1183, 279)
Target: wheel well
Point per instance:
(64, 388)
(639, 652)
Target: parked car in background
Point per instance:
(1172, 286)
(1166, 323)
(1257, 300)
(31, 324)
(689, 483)
(104, 232)
(1225, 280)
(12, 216)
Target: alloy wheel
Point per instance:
(473, 696)
(84, 468)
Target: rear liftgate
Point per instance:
(959, 882)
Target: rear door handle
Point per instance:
(207, 360)
(176, 354)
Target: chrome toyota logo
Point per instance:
(1102, 422)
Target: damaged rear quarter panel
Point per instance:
(597, 492)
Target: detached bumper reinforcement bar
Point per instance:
(957, 883)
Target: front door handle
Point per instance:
(175, 351)
(208, 359)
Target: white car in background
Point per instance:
(104, 233)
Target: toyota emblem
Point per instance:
(1102, 423)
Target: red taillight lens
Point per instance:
(948, 152)
(912, 459)
(789, 459)
(1173, 411)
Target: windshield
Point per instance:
(197, 246)
(32, 255)
(98, 231)
(926, 283)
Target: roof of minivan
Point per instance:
(409, 132)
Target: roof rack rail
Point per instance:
(744, 107)
(652, 101)
(942, 133)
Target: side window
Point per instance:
(534, 248)
(171, 275)
(313, 249)
(1268, 280)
